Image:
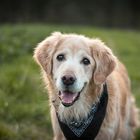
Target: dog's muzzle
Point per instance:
(67, 96)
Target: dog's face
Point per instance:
(73, 61)
(73, 67)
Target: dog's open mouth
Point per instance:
(68, 98)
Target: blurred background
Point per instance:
(24, 107)
(105, 13)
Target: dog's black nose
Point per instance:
(68, 80)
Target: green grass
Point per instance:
(24, 107)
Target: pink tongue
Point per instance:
(68, 97)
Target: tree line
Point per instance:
(108, 13)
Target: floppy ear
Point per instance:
(105, 61)
(44, 51)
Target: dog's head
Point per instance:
(73, 61)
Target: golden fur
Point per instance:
(122, 115)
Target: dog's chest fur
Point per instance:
(89, 127)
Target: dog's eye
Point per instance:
(60, 57)
(85, 61)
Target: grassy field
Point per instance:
(24, 109)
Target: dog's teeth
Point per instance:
(74, 96)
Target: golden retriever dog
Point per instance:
(88, 87)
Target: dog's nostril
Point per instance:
(71, 79)
(64, 78)
(68, 80)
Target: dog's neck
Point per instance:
(89, 127)
(82, 107)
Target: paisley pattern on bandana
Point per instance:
(78, 128)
